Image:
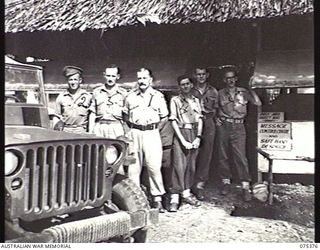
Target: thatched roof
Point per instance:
(58, 15)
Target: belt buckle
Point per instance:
(143, 127)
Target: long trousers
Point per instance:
(183, 163)
(147, 149)
(205, 151)
(112, 130)
(232, 144)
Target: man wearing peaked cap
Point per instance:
(73, 104)
(71, 70)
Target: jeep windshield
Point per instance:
(23, 85)
(25, 103)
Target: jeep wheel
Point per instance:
(127, 196)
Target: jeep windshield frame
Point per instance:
(25, 99)
(24, 85)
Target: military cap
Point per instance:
(71, 70)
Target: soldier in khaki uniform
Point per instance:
(73, 104)
(107, 105)
(146, 111)
(186, 118)
(233, 103)
(209, 99)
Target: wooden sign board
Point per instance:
(275, 136)
(271, 117)
(303, 139)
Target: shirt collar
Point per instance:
(110, 91)
(67, 93)
(208, 86)
(183, 98)
(228, 90)
(147, 92)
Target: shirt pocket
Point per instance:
(224, 100)
(117, 100)
(65, 106)
(133, 107)
(241, 99)
(100, 106)
(99, 99)
(154, 105)
(84, 101)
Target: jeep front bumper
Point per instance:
(96, 229)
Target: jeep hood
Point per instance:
(31, 134)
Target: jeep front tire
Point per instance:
(127, 196)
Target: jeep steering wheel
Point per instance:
(12, 97)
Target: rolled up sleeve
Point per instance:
(163, 109)
(173, 110)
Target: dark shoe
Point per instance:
(199, 194)
(246, 195)
(158, 205)
(173, 207)
(191, 201)
(226, 188)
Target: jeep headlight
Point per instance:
(11, 162)
(112, 154)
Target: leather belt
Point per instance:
(188, 125)
(108, 121)
(167, 147)
(232, 120)
(143, 127)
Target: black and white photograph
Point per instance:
(159, 121)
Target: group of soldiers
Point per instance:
(195, 114)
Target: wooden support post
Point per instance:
(270, 182)
(260, 179)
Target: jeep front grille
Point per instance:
(62, 176)
(59, 178)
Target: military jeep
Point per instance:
(63, 187)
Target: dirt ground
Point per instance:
(229, 219)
